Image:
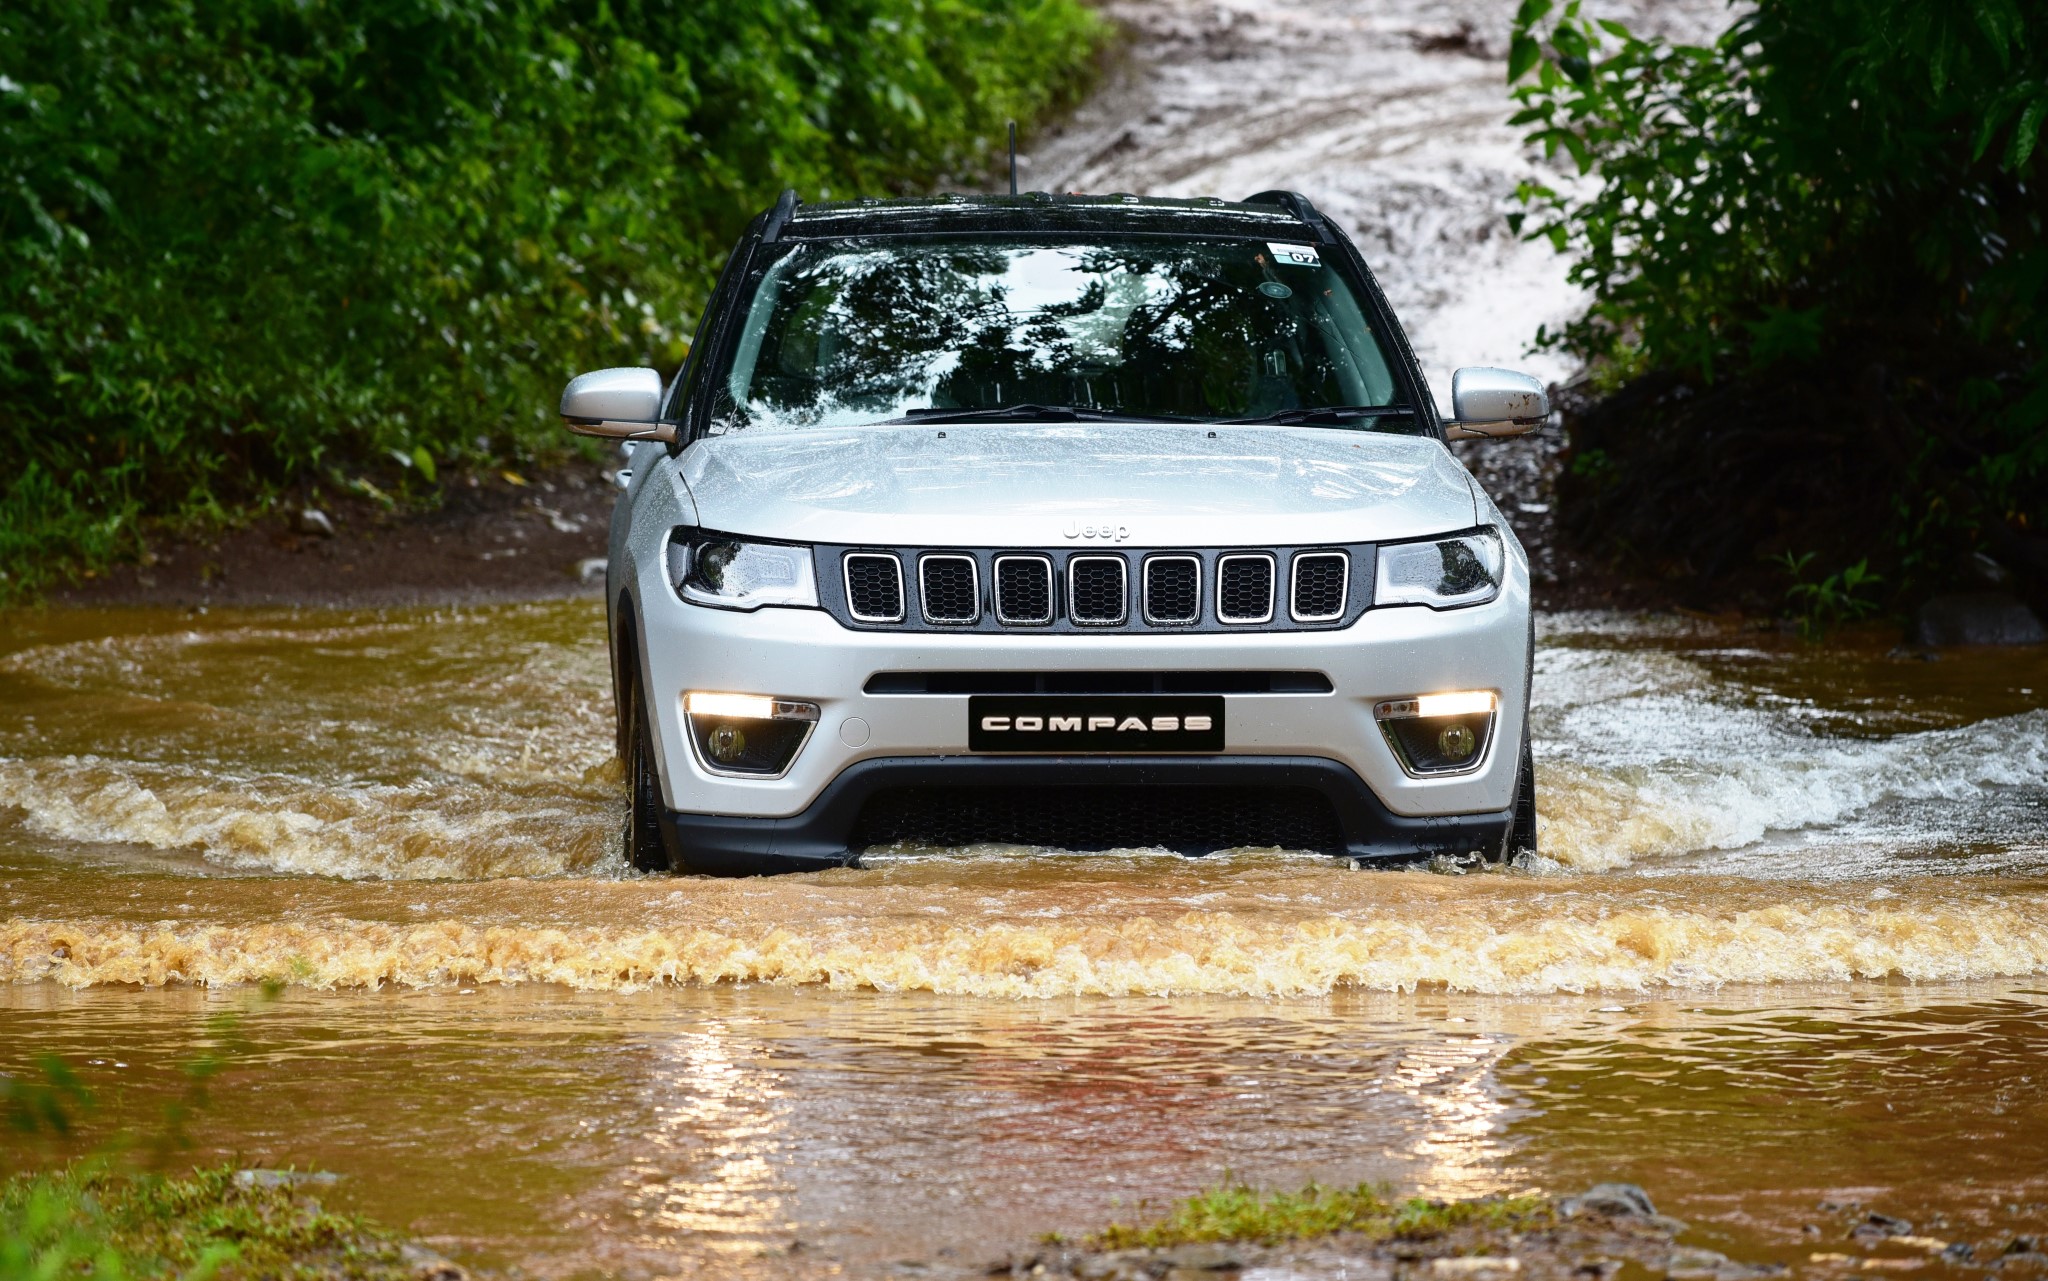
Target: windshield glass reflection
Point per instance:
(867, 331)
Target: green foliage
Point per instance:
(1842, 597)
(90, 1220)
(1233, 1212)
(1835, 198)
(244, 242)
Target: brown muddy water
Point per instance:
(1789, 943)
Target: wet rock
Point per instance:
(286, 1178)
(1204, 1256)
(1477, 1265)
(1879, 1227)
(1116, 1265)
(426, 1265)
(1960, 1252)
(1977, 618)
(315, 522)
(1617, 1200)
(1690, 1263)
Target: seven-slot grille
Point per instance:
(1321, 586)
(1024, 590)
(950, 588)
(1098, 594)
(1089, 589)
(1173, 590)
(874, 587)
(1244, 588)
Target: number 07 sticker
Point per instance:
(1295, 255)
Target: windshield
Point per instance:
(865, 331)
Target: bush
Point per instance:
(1819, 283)
(245, 242)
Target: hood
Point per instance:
(1141, 485)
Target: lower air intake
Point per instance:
(1190, 820)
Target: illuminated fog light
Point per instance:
(1438, 733)
(741, 707)
(747, 734)
(1461, 704)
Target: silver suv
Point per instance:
(1084, 522)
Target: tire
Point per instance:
(1522, 832)
(645, 850)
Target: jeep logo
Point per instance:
(1118, 533)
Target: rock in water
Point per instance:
(1621, 1200)
(1977, 618)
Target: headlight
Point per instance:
(1442, 573)
(727, 573)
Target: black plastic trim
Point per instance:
(720, 845)
(832, 589)
(1129, 682)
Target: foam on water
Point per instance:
(1700, 829)
(1643, 754)
(1516, 944)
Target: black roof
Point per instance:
(1271, 213)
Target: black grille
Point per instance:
(1191, 820)
(1173, 589)
(1244, 589)
(1023, 589)
(874, 587)
(1098, 590)
(1319, 581)
(948, 587)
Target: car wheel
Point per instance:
(645, 850)
(1522, 832)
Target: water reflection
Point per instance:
(773, 1132)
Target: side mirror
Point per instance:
(618, 404)
(1490, 403)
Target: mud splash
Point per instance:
(423, 800)
(1498, 944)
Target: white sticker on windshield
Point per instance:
(1295, 255)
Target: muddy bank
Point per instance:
(499, 536)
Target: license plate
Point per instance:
(1124, 723)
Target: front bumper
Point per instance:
(1389, 653)
(817, 838)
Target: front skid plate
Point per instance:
(816, 839)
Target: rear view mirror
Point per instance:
(618, 404)
(1490, 403)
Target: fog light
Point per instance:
(1438, 733)
(747, 734)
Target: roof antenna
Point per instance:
(1013, 157)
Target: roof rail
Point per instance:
(1295, 203)
(778, 217)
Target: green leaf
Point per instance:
(425, 462)
(1523, 54)
(1531, 12)
(2027, 133)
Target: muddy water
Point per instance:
(1787, 943)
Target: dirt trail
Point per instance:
(1391, 116)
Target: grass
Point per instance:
(1234, 1212)
(94, 1221)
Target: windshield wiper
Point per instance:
(1326, 413)
(1055, 413)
